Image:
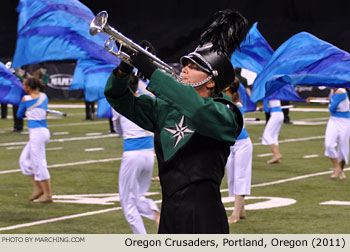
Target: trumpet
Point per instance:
(99, 24)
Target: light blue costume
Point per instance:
(33, 157)
(273, 126)
(338, 127)
(239, 164)
(135, 174)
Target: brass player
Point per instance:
(194, 125)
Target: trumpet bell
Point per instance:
(98, 23)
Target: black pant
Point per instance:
(89, 110)
(195, 209)
(17, 122)
(3, 110)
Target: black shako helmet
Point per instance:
(217, 43)
(216, 64)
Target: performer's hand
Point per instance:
(142, 62)
(123, 68)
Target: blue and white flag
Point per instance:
(11, 90)
(255, 51)
(56, 30)
(303, 60)
(91, 76)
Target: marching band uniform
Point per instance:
(193, 127)
(192, 142)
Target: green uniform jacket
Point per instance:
(192, 134)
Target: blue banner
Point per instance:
(56, 30)
(104, 110)
(255, 52)
(11, 90)
(303, 60)
(91, 76)
(248, 105)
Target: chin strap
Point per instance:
(199, 83)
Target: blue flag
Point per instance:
(104, 110)
(248, 105)
(303, 60)
(255, 52)
(11, 90)
(91, 76)
(254, 55)
(56, 30)
(285, 93)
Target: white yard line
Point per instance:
(291, 179)
(70, 164)
(67, 217)
(60, 133)
(94, 149)
(76, 124)
(61, 140)
(54, 148)
(265, 155)
(310, 109)
(101, 121)
(295, 140)
(311, 156)
(296, 178)
(94, 134)
(52, 106)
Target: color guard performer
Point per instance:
(33, 157)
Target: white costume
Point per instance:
(135, 174)
(239, 164)
(33, 157)
(273, 126)
(338, 127)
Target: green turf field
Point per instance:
(84, 159)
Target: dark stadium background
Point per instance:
(173, 27)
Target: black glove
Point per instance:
(123, 66)
(142, 62)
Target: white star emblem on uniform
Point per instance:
(180, 131)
